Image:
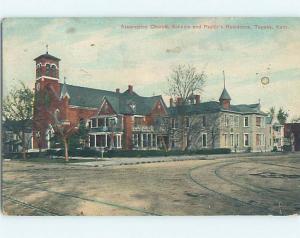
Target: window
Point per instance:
(47, 69)
(173, 123)
(246, 139)
(225, 140)
(260, 139)
(246, 121)
(92, 140)
(258, 121)
(138, 121)
(226, 120)
(101, 122)
(187, 122)
(204, 121)
(204, 140)
(39, 70)
(237, 139)
(231, 120)
(236, 121)
(94, 122)
(231, 140)
(53, 71)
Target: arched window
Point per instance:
(47, 69)
(39, 70)
(53, 71)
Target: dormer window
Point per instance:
(132, 106)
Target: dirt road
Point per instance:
(230, 186)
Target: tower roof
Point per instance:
(64, 90)
(224, 95)
(47, 56)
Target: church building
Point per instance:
(116, 120)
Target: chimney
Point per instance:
(130, 88)
(197, 99)
(179, 101)
(117, 90)
(171, 102)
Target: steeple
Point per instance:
(64, 91)
(225, 97)
(47, 66)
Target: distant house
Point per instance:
(278, 135)
(213, 124)
(11, 138)
(292, 135)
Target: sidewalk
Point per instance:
(142, 160)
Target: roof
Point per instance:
(225, 95)
(122, 103)
(47, 56)
(213, 106)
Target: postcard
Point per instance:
(150, 116)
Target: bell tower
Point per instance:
(47, 70)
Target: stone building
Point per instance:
(200, 125)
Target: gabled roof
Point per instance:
(224, 95)
(64, 91)
(47, 56)
(120, 102)
(213, 106)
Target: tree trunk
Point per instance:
(66, 149)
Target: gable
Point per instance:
(159, 109)
(106, 108)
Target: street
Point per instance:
(247, 185)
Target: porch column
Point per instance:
(95, 140)
(151, 140)
(105, 140)
(142, 140)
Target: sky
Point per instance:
(110, 53)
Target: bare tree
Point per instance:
(63, 129)
(183, 83)
(208, 123)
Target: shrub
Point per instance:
(274, 149)
(287, 148)
(155, 153)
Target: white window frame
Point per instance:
(260, 124)
(245, 140)
(231, 120)
(237, 141)
(245, 121)
(205, 140)
(231, 139)
(173, 123)
(226, 122)
(236, 119)
(92, 122)
(225, 139)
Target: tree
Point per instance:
(272, 112)
(18, 113)
(63, 130)
(79, 138)
(282, 116)
(183, 83)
